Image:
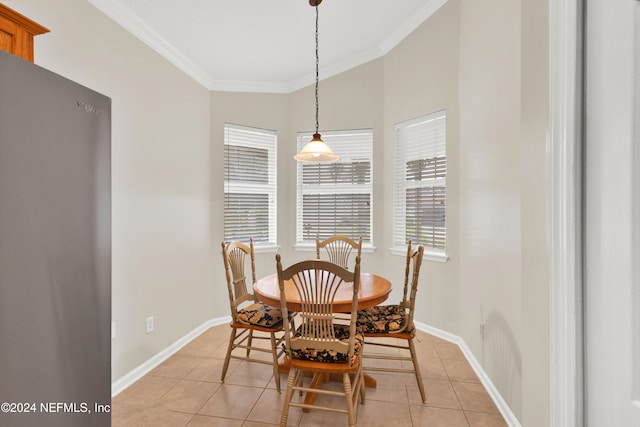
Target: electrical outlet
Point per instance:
(149, 324)
(482, 331)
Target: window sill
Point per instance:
(431, 255)
(266, 249)
(311, 247)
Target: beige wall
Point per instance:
(503, 198)
(162, 251)
(487, 65)
(484, 62)
(534, 219)
(490, 181)
(490, 196)
(267, 111)
(421, 76)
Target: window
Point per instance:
(250, 190)
(419, 192)
(337, 198)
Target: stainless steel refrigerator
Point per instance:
(55, 249)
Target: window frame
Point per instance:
(267, 140)
(345, 150)
(419, 151)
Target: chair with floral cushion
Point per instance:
(339, 249)
(250, 319)
(320, 345)
(396, 322)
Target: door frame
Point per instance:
(564, 148)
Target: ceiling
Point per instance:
(267, 45)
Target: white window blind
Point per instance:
(337, 198)
(420, 170)
(250, 187)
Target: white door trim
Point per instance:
(635, 212)
(564, 151)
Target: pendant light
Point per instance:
(316, 151)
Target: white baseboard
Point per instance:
(156, 360)
(495, 395)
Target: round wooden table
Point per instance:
(374, 289)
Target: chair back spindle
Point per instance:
(316, 282)
(339, 249)
(416, 261)
(234, 256)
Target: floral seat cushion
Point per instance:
(384, 319)
(261, 315)
(330, 356)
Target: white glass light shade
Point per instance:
(316, 151)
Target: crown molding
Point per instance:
(151, 38)
(147, 35)
(248, 86)
(417, 19)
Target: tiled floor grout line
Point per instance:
(179, 373)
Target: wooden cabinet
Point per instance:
(17, 31)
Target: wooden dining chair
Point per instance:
(396, 322)
(250, 319)
(320, 345)
(339, 249)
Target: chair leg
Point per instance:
(416, 368)
(291, 381)
(346, 381)
(249, 342)
(232, 338)
(363, 388)
(274, 352)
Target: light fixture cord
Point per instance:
(317, 69)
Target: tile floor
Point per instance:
(185, 390)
